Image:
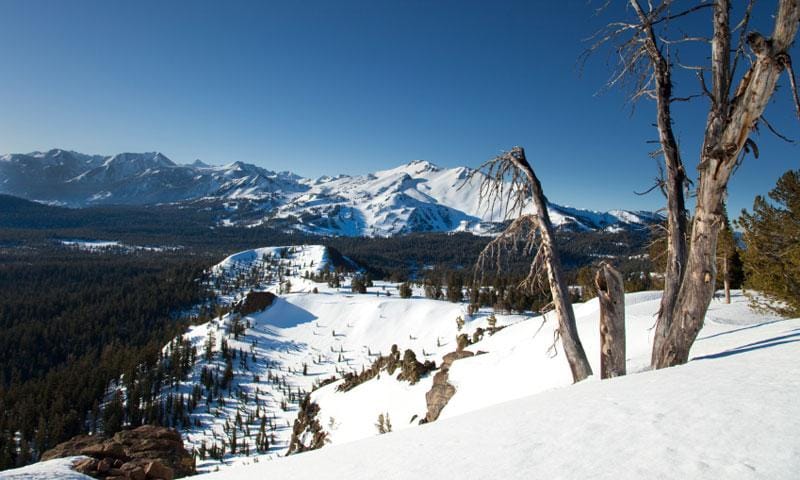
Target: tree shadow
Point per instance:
(792, 337)
(735, 330)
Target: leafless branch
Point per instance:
(774, 131)
(742, 28)
(787, 63)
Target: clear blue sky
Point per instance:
(326, 87)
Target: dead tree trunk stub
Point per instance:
(611, 295)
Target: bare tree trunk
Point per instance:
(611, 294)
(576, 356)
(726, 281)
(727, 130)
(673, 184)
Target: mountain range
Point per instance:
(415, 197)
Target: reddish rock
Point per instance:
(156, 469)
(133, 471)
(138, 446)
(86, 466)
(104, 465)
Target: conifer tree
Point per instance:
(729, 263)
(772, 251)
(405, 290)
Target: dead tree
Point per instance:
(510, 180)
(648, 52)
(611, 295)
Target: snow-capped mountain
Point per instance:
(415, 197)
(77, 180)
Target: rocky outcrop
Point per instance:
(411, 370)
(144, 453)
(442, 391)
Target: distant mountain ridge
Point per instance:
(416, 197)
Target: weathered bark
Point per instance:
(611, 294)
(728, 127)
(674, 181)
(573, 348)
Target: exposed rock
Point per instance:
(85, 466)
(75, 446)
(451, 357)
(442, 391)
(133, 471)
(104, 465)
(156, 469)
(411, 370)
(129, 454)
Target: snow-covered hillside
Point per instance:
(302, 339)
(731, 412)
(313, 332)
(415, 197)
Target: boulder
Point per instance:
(105, 465)
(133, 471)
(87, 466)
(156, 469)
(74, 446)
(130, 452)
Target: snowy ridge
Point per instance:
(306, 337)
(731, 412)
(300, 340)
(415, 197)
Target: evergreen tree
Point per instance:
(113, 415)
(455, 286)
(357, 285)
(405, 290)
(729, 263)
(772, 250)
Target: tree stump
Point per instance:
(611, 294)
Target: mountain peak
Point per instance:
(423, 164)
(199, 164)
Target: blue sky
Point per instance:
(326, 87)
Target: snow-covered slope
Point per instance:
(305, 338)
(300, 340)
(314, 332)
(731, 412)
(415, 197)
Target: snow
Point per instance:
(59, 468)
(107, 245)
(334, 331)
(90, 244)
(329, 333)
(731, 412)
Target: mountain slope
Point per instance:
(416, 197)
(731, 412)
